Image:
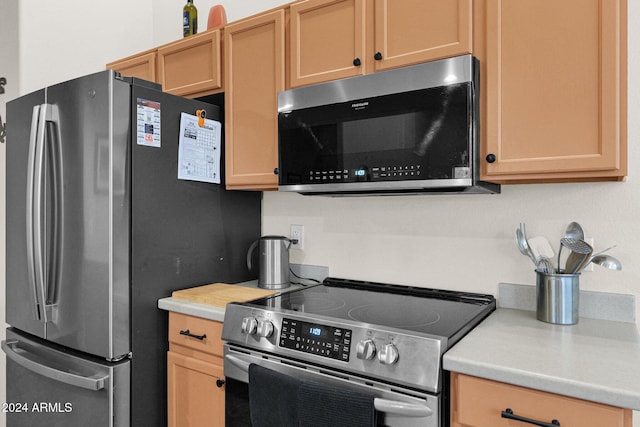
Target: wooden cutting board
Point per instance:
(219, 294)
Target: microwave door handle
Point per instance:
(21, 357)
(381, 405)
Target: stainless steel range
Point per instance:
(383, 340)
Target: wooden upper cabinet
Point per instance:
(414, 31)
(327, 40)
(254, 74)
(141, 65)
(192, 66)
(554, 89)
(333, 39)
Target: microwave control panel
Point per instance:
(313, 338)
(365, 173)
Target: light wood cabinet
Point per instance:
(195, 378)
(141, 65)
(332, 39)
(554, 89)
(192, 66)
(254, 74)
(477, 402)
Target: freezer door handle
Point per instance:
(23, 358)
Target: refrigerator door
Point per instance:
(22, 307)
(53, 387)
(72, 189)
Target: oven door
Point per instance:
(395, 406)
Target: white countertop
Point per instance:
(596, 360)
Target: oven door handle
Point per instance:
(401, 408)
(237, 362)
(382, 405)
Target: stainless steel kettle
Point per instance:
(273, 260)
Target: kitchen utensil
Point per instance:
(573, 231)
(544, 264)
(273, 261)
(607, 261)
(575, 261)
(580, 252)
(557, 298)
(593, 255)
(523, 246)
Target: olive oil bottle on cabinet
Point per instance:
(189, 19)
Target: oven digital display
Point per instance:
(321, 340)
(316, 331)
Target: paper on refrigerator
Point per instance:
(199, 150)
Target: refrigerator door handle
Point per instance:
(34, 191)
(22, 357)
(39, 272)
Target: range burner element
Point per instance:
(315, 303)
(390, 333)
(394, 318)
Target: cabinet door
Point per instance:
(554, 89)
(327, 40)
(142, 65)
(477, 402)
(413, 31)
(191, 66)
(195, 398)
(254, 74)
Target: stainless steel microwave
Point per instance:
(407, 130)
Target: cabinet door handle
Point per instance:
(490, 158)
(377, 56)
(189, 334)
(508, 413)
(220, 383)
(357, 62)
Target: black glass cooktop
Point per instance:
(429, 311)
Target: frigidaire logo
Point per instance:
(359, 105)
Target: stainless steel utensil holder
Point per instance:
(557, 298)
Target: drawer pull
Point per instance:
(508, 413)
(189, 334)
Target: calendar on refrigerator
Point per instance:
(199, 149)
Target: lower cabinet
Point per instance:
(195, 378)
(477, 402)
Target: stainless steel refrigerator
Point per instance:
(99, 227)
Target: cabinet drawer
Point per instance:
(478, 402)
(196, 327)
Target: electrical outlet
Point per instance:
(297, 233)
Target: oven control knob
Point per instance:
(249, 325)
(265, 328)
(388, 355)
(366, 350)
